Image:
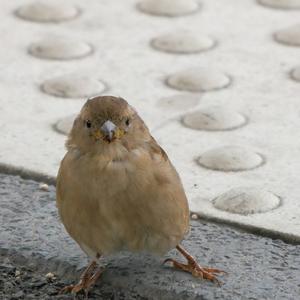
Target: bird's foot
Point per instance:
(87, 280)
(194, 268)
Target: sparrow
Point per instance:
(118, 191)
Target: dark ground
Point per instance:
(19, 281)
(33, 242)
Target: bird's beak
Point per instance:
(108, 129)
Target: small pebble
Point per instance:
(194, 217)
(17, 273)
(44, 187)
(50, 276)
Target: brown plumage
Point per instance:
(117, 189)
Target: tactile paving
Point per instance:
(228, 117)
(45, 12)
(184, 42)
(59, 48)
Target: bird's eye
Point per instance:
(88, 124)
(127, 121)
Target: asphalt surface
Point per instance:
(33, 243)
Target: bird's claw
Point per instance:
(88, 278)
(197, 271)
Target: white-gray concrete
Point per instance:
(35, 93)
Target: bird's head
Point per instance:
(104, 122)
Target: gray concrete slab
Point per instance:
(258, 267)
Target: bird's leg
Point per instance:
(194, 268)
(87, 279)
(92, 280)
(83, 279)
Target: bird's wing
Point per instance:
(167, 190)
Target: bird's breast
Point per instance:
(118, 205)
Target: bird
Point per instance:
(118, 191)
